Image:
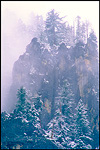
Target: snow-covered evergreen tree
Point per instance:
(93, 81)
(69, 36)
(21, 95)
(83, 130)
(28, 108)
(54, 28)
(38, 103)
(67, 103)
(62, 127)
(92, 44)
(82, 29)
(78, 29)
(26, 117)
(57, 130)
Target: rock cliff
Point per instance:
(39, 70)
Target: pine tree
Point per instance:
(54, 28)
(92, 47)
(81, 30)
(38, 104)
(69, 35)
(62, 127)
(28, 110)
(57, 130)
(93, 81)
(24, 121)
(21, 95)
(66, 97)
(83, 33)
(78, 29)
(40, 27)
(83, 130)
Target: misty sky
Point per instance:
(86, 9)
(11, 11)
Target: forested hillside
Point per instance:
(53, 102)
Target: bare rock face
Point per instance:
(27, 70)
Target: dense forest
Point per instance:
(53, 102)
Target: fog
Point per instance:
(14, 17)
(13, 44)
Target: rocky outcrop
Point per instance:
(30, 69)
(39, 70)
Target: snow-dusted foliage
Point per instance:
(60, 70)
(83, 134)
(54, 28)
(67, 105)
(69, 128)
(26, 117)
(58, 130)
(27, 110)
(61, 128)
